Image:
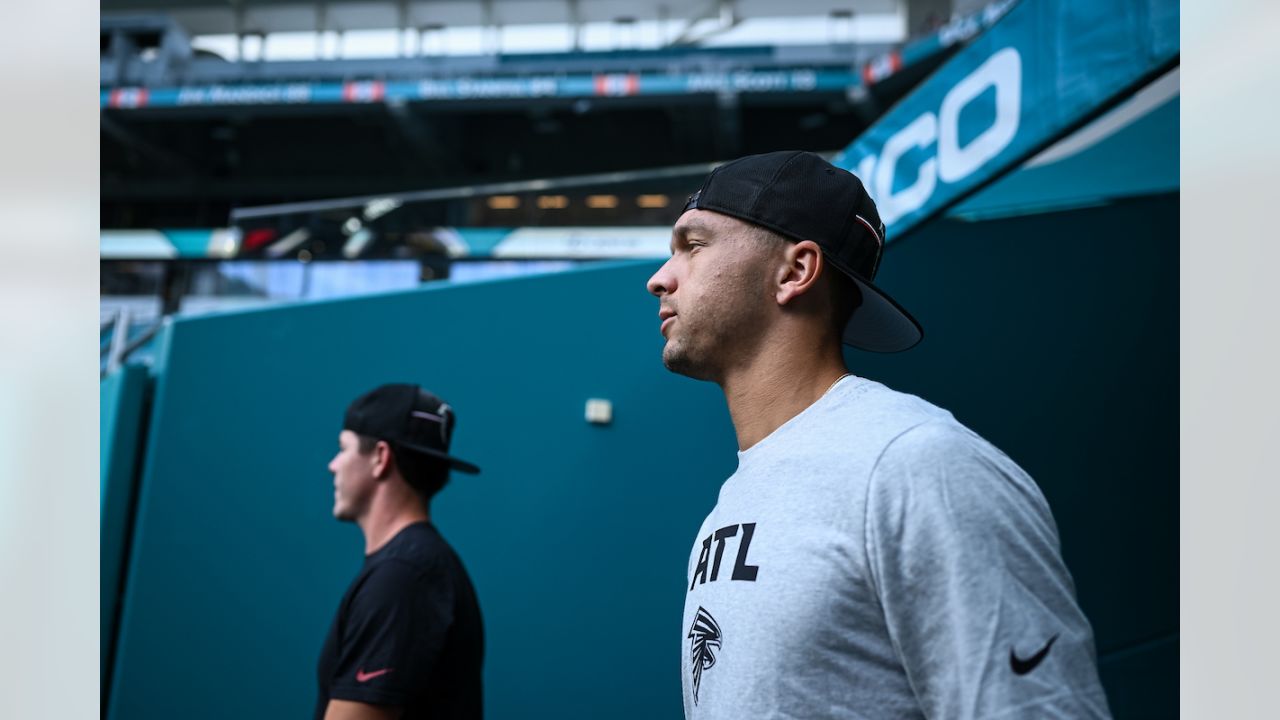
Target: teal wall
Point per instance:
(120, 411)
(1055, 336)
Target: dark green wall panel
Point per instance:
(1142, 681)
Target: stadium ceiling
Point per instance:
(213, 17)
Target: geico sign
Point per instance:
(951, 163)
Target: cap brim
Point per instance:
(455, 463)
(880, 324)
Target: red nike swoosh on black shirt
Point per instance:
(362, 676)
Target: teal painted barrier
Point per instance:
(577, 536)
(121, 398)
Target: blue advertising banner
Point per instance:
(1044, 68)
(791, 80)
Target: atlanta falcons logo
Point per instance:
(704, 636)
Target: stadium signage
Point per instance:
(466, 88)
(1041, 69)
(804, 80)
(951, 160)
(245, 95)
(569, 86)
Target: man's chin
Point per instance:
(680, 364)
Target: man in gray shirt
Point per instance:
(871, 557)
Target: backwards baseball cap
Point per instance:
(409, 418)
(803, 197)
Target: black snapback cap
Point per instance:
(410, 419)
(803, 197)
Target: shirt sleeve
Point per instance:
(964, 556)
(394, 631)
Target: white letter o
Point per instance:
(1003, 71)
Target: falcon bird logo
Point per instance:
(704, 637)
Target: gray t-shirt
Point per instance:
(874, 558)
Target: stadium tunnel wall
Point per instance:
(121, 405)
(1054, 335)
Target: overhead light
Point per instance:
(288, 243)
(503, 202)
(552, 202)
(652, 201)
(351, 226)
(225, 242)
(600, 202)
(356, 245)
(375, 209)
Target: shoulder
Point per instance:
(395, 585)
(942, 448)
(418, 547)
(944, 467)
(416, 555)
(875, 410)
(388, 578)
(863, 421)
(935, 439)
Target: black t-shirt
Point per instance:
(407, 633)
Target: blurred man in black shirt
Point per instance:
(407, 640)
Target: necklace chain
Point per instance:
(848, 374)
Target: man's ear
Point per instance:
(802, 263)
(382, 460)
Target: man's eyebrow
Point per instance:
(694, 227)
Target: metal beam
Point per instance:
(575, 23)
(726, 10)
(679, 171)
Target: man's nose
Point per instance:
(662, 282)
